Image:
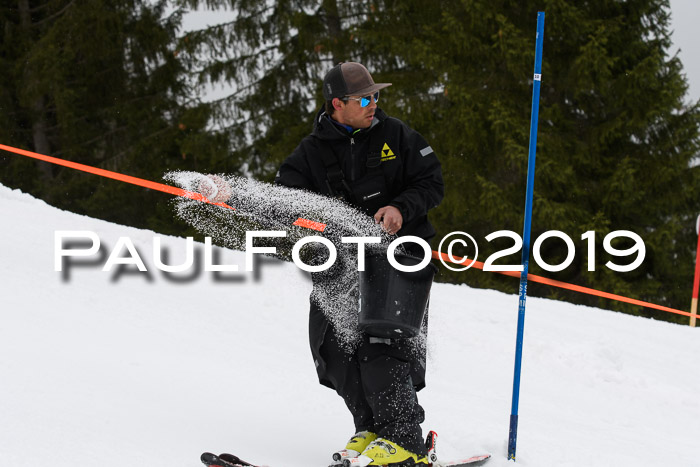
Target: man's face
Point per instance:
(350, 112)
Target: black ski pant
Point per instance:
(378, 381)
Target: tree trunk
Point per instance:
(333, 26)
(38, 106)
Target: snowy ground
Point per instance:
(140, 369)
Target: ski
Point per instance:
(224, 460)
(364, 461)
(229, 460)
(431, 444)
(470, 462)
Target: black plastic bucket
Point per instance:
(393, 302)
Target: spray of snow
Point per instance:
(262, 206)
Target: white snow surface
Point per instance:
(140, 369)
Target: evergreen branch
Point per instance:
(221, 27)
(90, 141)
(55, 15)
(237, 62)
(253, 118)
(40, 7)
(235, 95)
(121, 154)
(362, 15)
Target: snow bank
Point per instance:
(128, 368)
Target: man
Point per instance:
(381, 166)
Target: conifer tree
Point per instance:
(98, 83)
(272, 55)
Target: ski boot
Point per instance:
(384, 452)
(355, 446)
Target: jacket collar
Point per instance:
(325, 128)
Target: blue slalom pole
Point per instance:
(513, 432)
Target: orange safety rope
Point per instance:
(114, 175)
(140, 182)
(565, 285)
(320, 227)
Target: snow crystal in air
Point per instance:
(263, 206)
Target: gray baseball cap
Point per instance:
(349, 79)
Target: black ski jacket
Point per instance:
(404, 173)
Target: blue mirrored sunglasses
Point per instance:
(364, 101)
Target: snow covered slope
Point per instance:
(148, 369)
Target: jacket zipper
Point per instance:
(352, 159)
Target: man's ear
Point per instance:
(337, 103)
